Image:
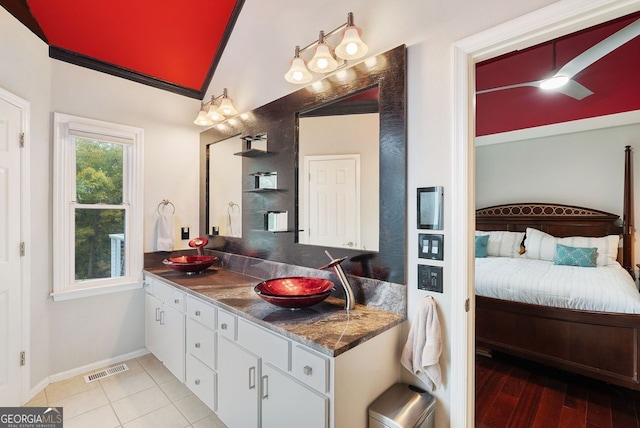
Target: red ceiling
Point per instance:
(614, 79)
(173, 45)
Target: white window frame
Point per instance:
(64, 170)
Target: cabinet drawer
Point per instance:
(311, 368)
(201, 311)
(270, 346)
(227, 324)
(201, 342)
(169, 295)
(201, 380)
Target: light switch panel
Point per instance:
(185, 233)
(430, 278)
(430, 246)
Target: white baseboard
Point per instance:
(84, 369)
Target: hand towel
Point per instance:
(424, 345)
(164, 233)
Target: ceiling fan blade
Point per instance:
(597, 51)
(574, 89)
(535, 83)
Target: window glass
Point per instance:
(99, 243)
(99, 172)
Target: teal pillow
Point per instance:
(481, 245)
(575, 256)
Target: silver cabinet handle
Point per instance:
(307, 370)
(161, 317)
(197, 313)
(157, 314)
(176, 301)
(197, 381)
(252, 377)
(197, 344)
(265, 387)
(223, 326)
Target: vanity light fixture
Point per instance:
(323, 61)
(216, 110)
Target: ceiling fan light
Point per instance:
(323, 61)
(298, 72)
(351, 47)
(226, 108)
(554, 82)
(203, 119)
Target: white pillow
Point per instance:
(542, 246)
(503, 243)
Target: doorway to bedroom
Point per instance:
(568, 149)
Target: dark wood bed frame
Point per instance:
(600, 345)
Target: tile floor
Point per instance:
(147, 395)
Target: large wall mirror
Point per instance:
(339, 173)
(224, 196)
(363, 105)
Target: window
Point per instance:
(97, 205)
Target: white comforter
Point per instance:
(603, 288)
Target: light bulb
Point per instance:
(554, 82)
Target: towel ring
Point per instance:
(164, 203)
(232, 206)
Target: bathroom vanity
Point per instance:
(259, 365)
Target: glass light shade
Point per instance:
(203, 119)
(351, 47)
(213, 114)
(298, 72)
(226, 108)
(323, 61)
(554, 82)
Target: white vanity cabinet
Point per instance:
(253, 377)
(256, 387)
(164, 325)
(201, 350)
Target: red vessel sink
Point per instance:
(295, 292)
(190, 264)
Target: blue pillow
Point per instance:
(481, 245)
(575, 256)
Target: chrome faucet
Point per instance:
(350, 301)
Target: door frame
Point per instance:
(25, 221)
(561, 18)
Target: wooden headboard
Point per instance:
(566, 220)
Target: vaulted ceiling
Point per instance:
(169, 45)
(614, 80)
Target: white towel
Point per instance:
(235, 224)
(424, 345)
(164, 233)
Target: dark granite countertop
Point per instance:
(326, 327)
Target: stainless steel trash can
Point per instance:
(403, 406)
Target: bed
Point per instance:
(599, 342)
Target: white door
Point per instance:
(11, 372)
(333, 207)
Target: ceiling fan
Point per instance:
(562, 80)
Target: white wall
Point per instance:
(582, 168)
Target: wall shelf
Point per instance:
(252, 153)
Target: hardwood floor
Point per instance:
(515, 393)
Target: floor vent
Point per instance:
(106, 373)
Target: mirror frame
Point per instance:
(279, 120)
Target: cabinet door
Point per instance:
(173, 347)
(287, 403)
(152, 335)
(238, 377)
